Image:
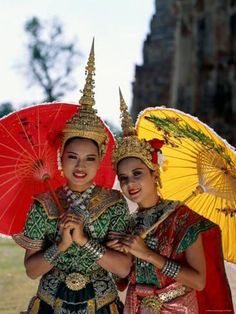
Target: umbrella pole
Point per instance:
(199, 189)
(55, 198)
(155, 225)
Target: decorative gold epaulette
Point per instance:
(101, 200)
(49, 205)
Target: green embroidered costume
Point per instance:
(77, 284)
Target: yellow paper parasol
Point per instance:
(199, 168)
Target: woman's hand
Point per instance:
(135, 245)
(114, 241)
(115, 245)
(66, 238)
(74, 223)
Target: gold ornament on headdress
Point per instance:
(130, 145)
(85, 123)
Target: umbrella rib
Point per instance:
(12, 150)
(179, 177)
(208, 204)
(179, 158)
(54, 119)
(230, 192)
(182, 167)
(186, 154)
(14, 217)
(12, 200)
(7, 166)
(9, 173)
(193, 185)
(26, 135)
(219, 216)
(13, 138)
(5, 182)
(39, 139)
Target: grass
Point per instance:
(16, 288)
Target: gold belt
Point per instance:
(155, 302)
(76, 281)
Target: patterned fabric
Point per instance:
(171, 239)
(99, 294)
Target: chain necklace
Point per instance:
(79, 201)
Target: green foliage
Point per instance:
(173, 127)
(5, 109)
(51, 60)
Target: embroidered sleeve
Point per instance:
(33, 236)
(194, 224)
(35, 226)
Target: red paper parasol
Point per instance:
(29, 139)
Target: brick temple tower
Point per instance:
(189, 62)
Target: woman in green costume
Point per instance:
(67, 250)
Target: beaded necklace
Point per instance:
(79, 201)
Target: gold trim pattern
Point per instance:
(155, 302)
(27, 243)
(100, 201)
(91, 306)
(152, 303)
(110, 297)
(113, 308)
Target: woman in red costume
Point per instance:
(178, 267)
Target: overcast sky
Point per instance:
(119, 28)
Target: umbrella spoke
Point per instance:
(7, 167)
(13, 150)
(13, 196)
(188, 189)
(182, 177)
(18, 214)
(180, 167)
(23, 123)
(11, 173)
(21, 148)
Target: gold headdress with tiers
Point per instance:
(85, 122)
(129, 145)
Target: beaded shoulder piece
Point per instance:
(100, 201)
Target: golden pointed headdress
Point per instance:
(129, 145)
(85, 122)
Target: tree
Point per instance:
(5, 109)
(51, 60)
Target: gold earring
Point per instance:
(59, 163)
